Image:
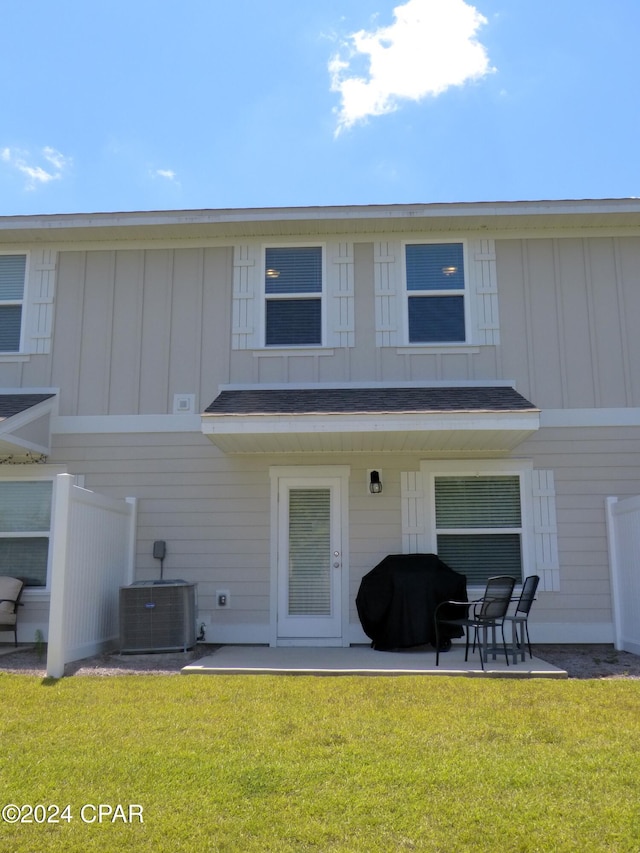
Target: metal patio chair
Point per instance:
(484, 615)
(520, 617)
(10, 592)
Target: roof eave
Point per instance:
(468, 433)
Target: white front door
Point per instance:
(310, 560)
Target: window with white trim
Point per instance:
(435, 293)
(25, 525)
(12, 286)
(479, 525)
(293, 289)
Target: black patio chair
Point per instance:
(487, 613)
(520, 618)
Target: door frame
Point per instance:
(310, 473)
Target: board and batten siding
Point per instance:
(135, 327)
(568, 310)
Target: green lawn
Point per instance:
(242, 763)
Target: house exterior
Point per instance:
(292, 394)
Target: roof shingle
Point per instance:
(351, 401)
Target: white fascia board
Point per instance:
(283, 424)
(94, 424)
(590, 417)
(345, 386)
(266, 214)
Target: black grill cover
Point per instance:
(397, 600)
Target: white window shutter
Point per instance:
(545, 530)
(340, 295)
(483, 291)
(412, 502)
(386, 261)
(39, 299)
(245, 313)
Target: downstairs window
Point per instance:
(25, 523)
(479, 525)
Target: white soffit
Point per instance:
(447, 420)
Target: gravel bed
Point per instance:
(580, 661)
(29, 661)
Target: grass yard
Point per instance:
(260, 763)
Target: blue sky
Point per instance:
(188, 104)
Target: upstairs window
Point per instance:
(12, 278)
(435, 282)
(479, 526)
(293, 287)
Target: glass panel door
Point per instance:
(309, 559)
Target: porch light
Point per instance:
(375, 484)
(449, 270)
(271, 273)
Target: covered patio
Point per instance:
(362, 660)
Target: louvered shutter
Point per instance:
(545, 530)
(412, 503)
(340, 295)
(386, 262)
(245, 333)
(483, 292)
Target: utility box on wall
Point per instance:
(157, 616)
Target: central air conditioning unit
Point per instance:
(157, 616)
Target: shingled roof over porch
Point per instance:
(466, 420)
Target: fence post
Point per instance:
(60, 533)
(614, 572)
(133, 523)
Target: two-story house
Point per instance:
(292, 394)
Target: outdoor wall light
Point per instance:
(375, 483)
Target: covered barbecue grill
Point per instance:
(397, 599)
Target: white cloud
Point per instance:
(26, 163)
(57, 160)
(430, 46)
(168, 174)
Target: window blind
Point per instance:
(293, 322)
(480, 557)
(12, 273)
(293, 270)
(478, 507)
(25, 507)
(436, 319)
(309, 552)
(491, 501)
(10, 327)
(435, 266)
(25, 558)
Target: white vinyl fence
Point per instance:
(623, 520)
(92, 557)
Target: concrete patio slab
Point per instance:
(361, 660)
